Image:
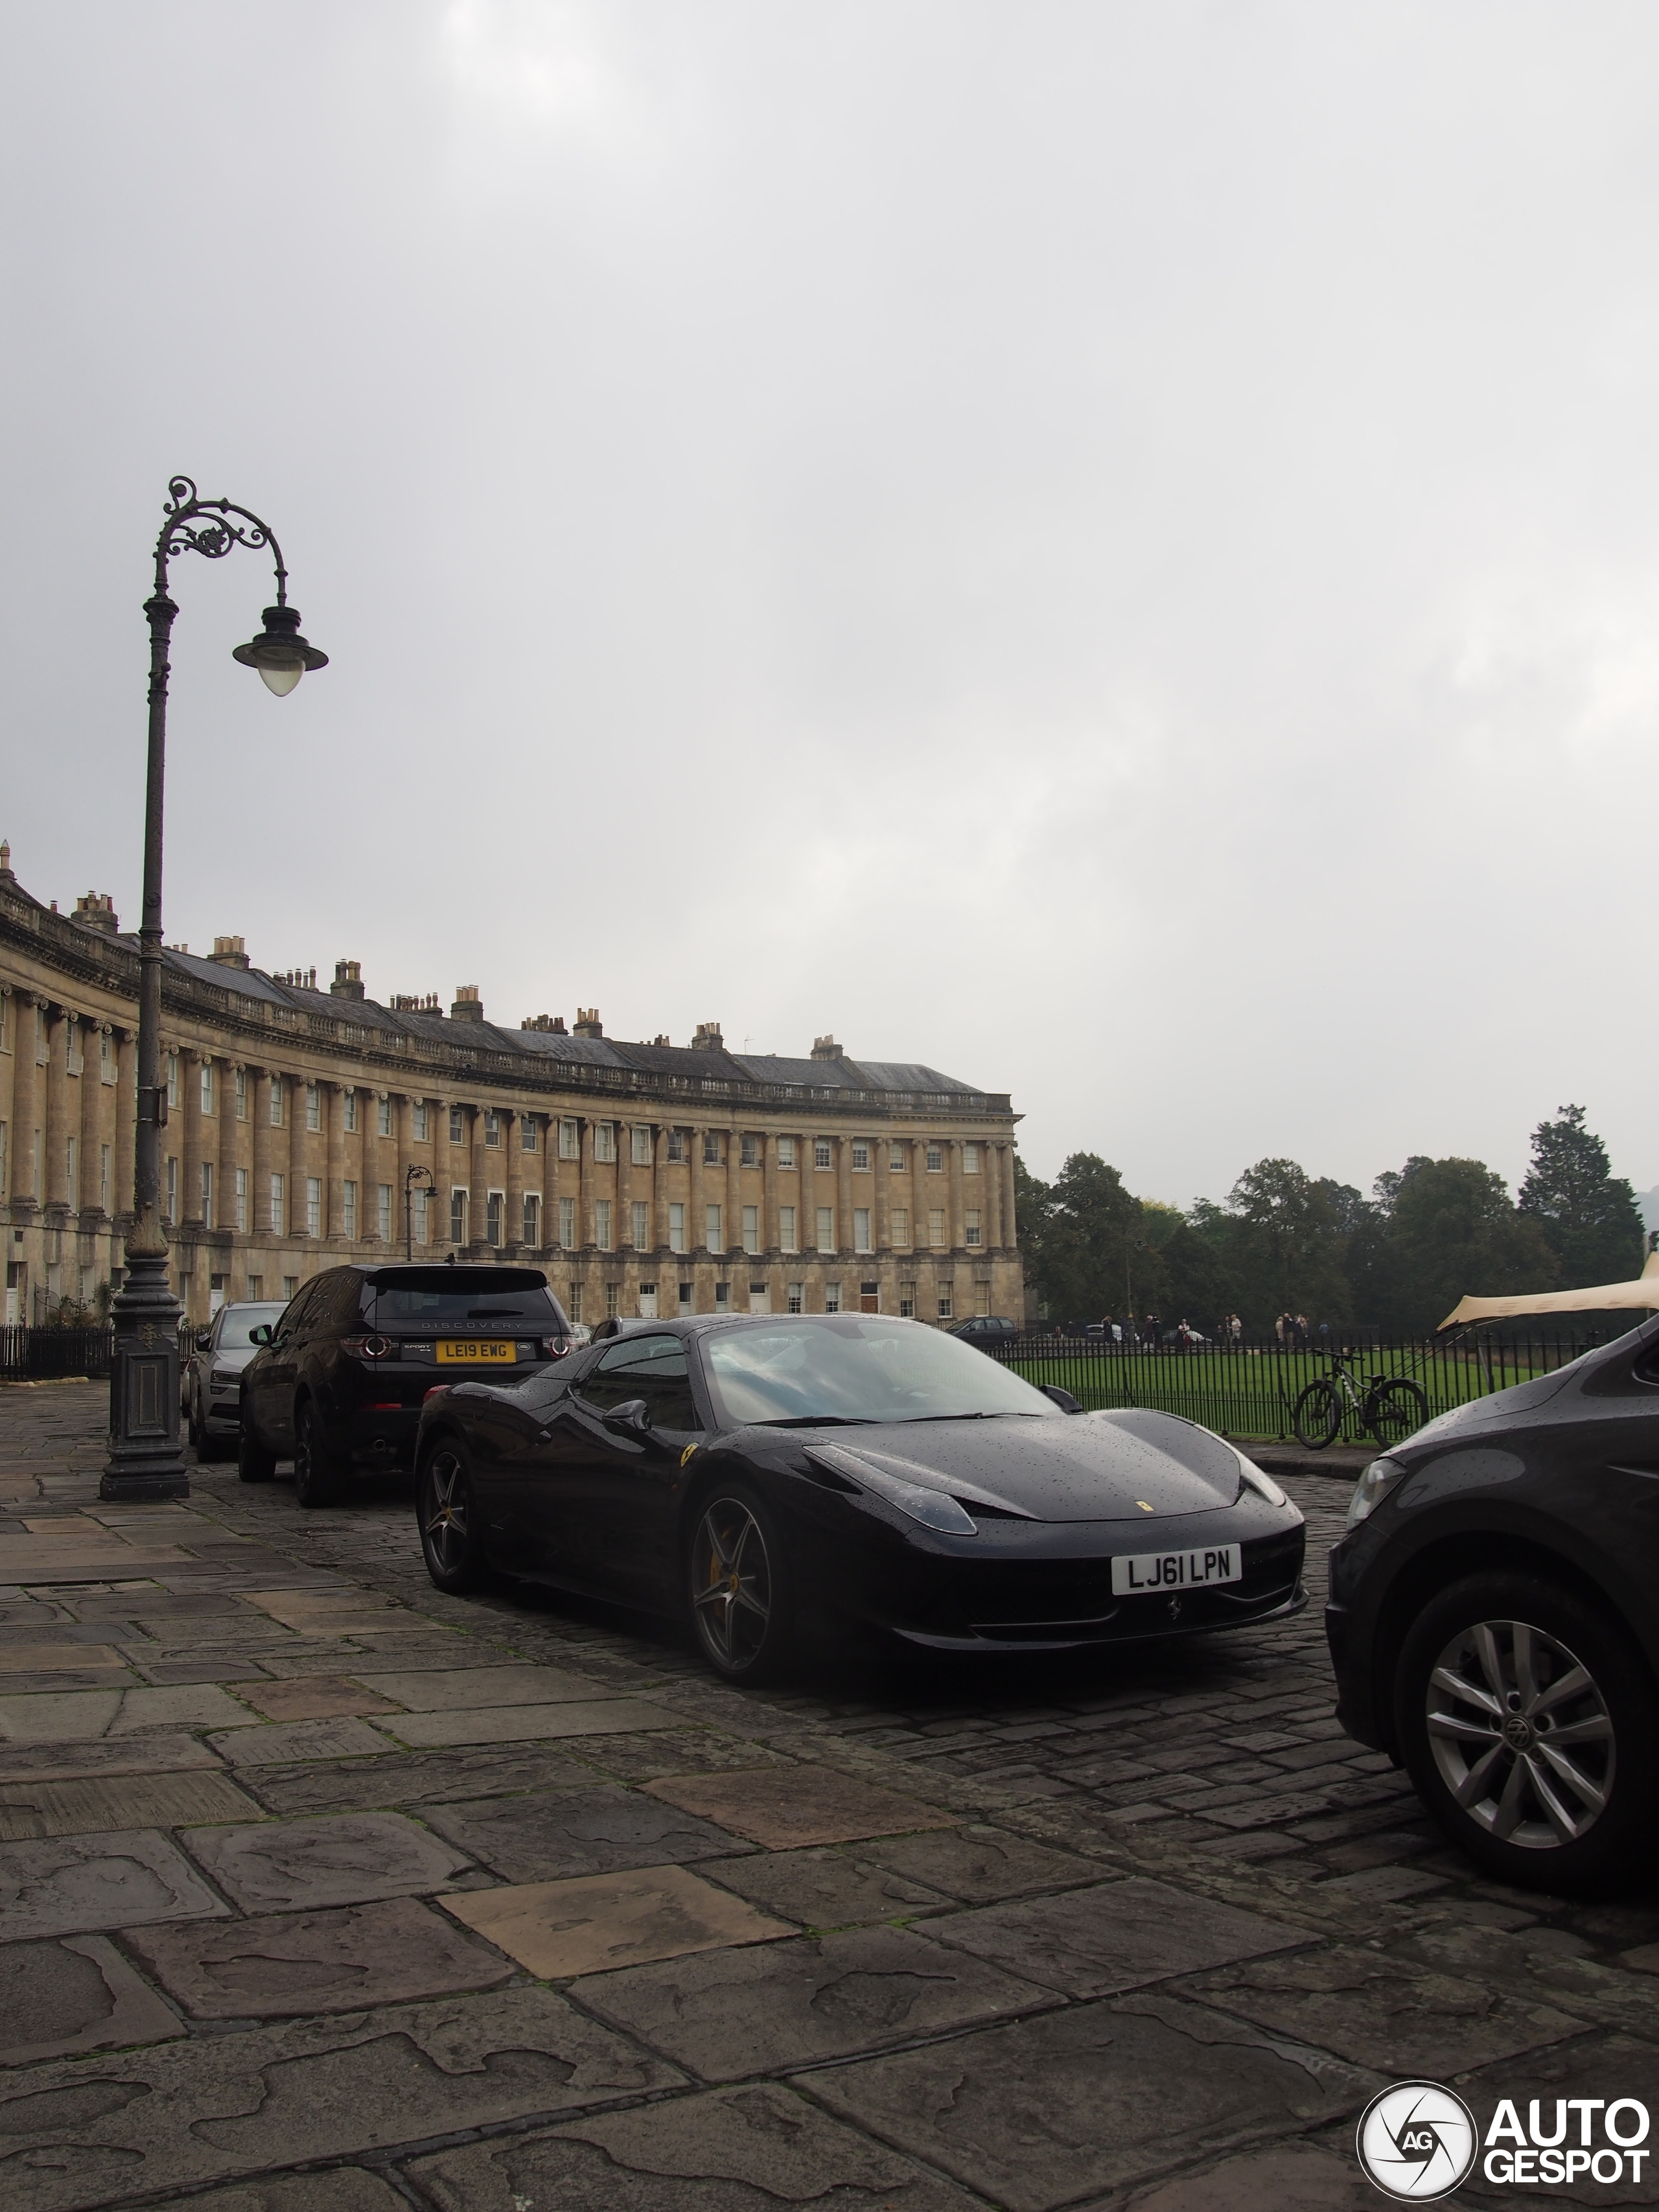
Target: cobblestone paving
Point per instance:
(321, 1890)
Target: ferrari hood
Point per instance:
(1094, 1467)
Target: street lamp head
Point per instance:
(279, 652)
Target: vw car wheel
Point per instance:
(1528, 1727)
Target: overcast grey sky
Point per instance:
(1111, 548)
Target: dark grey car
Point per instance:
(1493, 1625)
(210, 1381)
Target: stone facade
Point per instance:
(641, 1178)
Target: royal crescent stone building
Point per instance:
(644, 1179)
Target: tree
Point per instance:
(1452, 1229)
(1031, 1205)
(1588, 1215)
(1288, 1243)
(1092, 1228)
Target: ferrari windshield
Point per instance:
(856, 1367)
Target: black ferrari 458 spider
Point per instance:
(770, 1478)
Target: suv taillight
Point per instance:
(556, 1348)
(367, 1348)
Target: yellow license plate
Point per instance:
(475, 1351)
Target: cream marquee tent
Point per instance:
(1610, 1297)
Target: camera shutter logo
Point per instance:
(1417, 2141)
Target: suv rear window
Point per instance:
(433, 1295)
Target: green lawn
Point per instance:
(1250, 1394)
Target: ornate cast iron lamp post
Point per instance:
(144, 1460)
(412, 1182)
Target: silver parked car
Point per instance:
(211, 1380)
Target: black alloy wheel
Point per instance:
(1528, 1724)
(317, 1477)
(738, 1582)
(443, 1510)
(253, 1463)
(1318, 1414)
(1396, 1410)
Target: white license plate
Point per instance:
(1177, 1570)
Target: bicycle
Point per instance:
(1392, 1407)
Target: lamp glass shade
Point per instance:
(279, 652)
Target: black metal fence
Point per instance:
(46, 1355)
(1250, 1390)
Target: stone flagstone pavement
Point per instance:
(320, 1892)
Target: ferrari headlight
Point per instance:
(1373, 1486)
(934, 1509)
(1263, 1484)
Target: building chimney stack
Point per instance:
(97, 911)
(588, 1023)
(348, 980)
(825, 1048)
(708, 1038)
(466, 1006)
(230, 952)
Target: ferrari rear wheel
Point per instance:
(739, 1581)
(449, 1536)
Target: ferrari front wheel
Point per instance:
(738, 1586)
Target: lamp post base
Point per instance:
(145, 1460)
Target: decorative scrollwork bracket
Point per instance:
(211, 527)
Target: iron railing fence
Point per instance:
(1250, 1390)
(48, 1354)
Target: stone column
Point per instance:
(186, 1145)
(93, 1136)
(512, 1138)
(287, 1151)
(59, 1028)
(1009, 1223)
(806, 1194)
(991, 1157)
(262, 1151)
(478, 1204)
(659, 1132)
(882, 1227)
(622, 1219)
(843, 1195)
(402, 1123)
(230, 1152)
(732, 1222)
(587, 1227)
(333, 1117)
(126, 1118)
(771, 1236)
(11, 1029)
(957, 1227)
(696, 1231)
(920, 1241)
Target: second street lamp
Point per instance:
(144, 1458)
(411, 1178)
